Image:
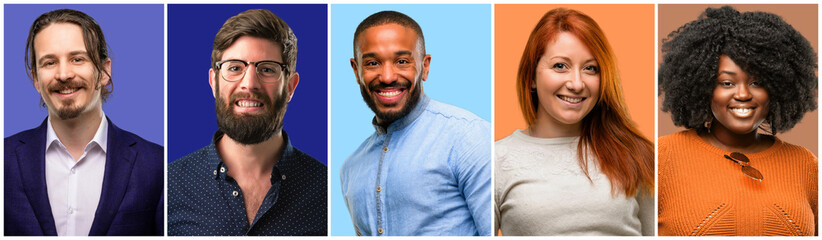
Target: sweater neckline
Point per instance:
(520, 134)
(694, 137)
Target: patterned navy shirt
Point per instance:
(203, 200)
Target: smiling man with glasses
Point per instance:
(250, 180)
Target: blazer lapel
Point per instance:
(119, 162)
(32, 162)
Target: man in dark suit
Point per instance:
(78, 173)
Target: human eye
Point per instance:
(234, 66)
(77, 60)
(269, 69)
(560, 67)
(591, 69)
(47, 63)
(726, 83)
(403, 63)
(370, 64)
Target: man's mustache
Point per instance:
(396, 84)
(60, 85)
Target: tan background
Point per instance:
(803, 17)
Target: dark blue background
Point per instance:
(134, 33)
(191, 117)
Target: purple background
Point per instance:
(135, 37)
(192, 120)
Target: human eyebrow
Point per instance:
(592, 60)
(44, 57)
(727, 72)
(402, 53)
(75, 53)
(564, 58)
(369, 55)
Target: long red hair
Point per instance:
(623, 154)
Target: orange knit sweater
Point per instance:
(703, 193)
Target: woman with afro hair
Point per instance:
(735, 80)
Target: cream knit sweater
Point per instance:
(541, 190)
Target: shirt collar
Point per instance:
(405, 120)
(282, 166)
(100, 136)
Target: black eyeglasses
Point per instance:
(743, 161)
(233, 70)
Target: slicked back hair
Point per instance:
(93, 38)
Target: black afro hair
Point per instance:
(762, 44)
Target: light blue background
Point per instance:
(458, 37)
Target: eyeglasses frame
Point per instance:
(256, 64)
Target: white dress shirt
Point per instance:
(74, 187)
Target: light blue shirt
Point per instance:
(429, 173)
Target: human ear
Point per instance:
(212, 82)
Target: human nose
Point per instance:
(574, 83)
(64, 71)
(388, 74)
(250, 80)
(743, 93)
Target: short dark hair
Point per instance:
(92, 37)
(386, 17)
(762, 44)
(259, 23)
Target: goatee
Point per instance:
(68, 111)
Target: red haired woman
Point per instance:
(581, 167)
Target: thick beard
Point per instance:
(389, 117)
(69, 111)
(248, 129)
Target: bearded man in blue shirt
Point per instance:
(427, 168)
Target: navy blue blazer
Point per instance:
(131, 202)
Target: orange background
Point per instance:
(630, 31)
(802, 17)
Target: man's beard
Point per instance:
(68, 111)
(390, 117)
(250, 129)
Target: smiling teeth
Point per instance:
(389, 94)
(741, 110)
(248, 104)
(68, 90)
(571, 100)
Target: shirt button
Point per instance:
(235, 193)
(215, 172)
(379, 188)
(379, 230)
(71, 211)
(222, 169)
(73, 171)
(385, 149)
(283, 176)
